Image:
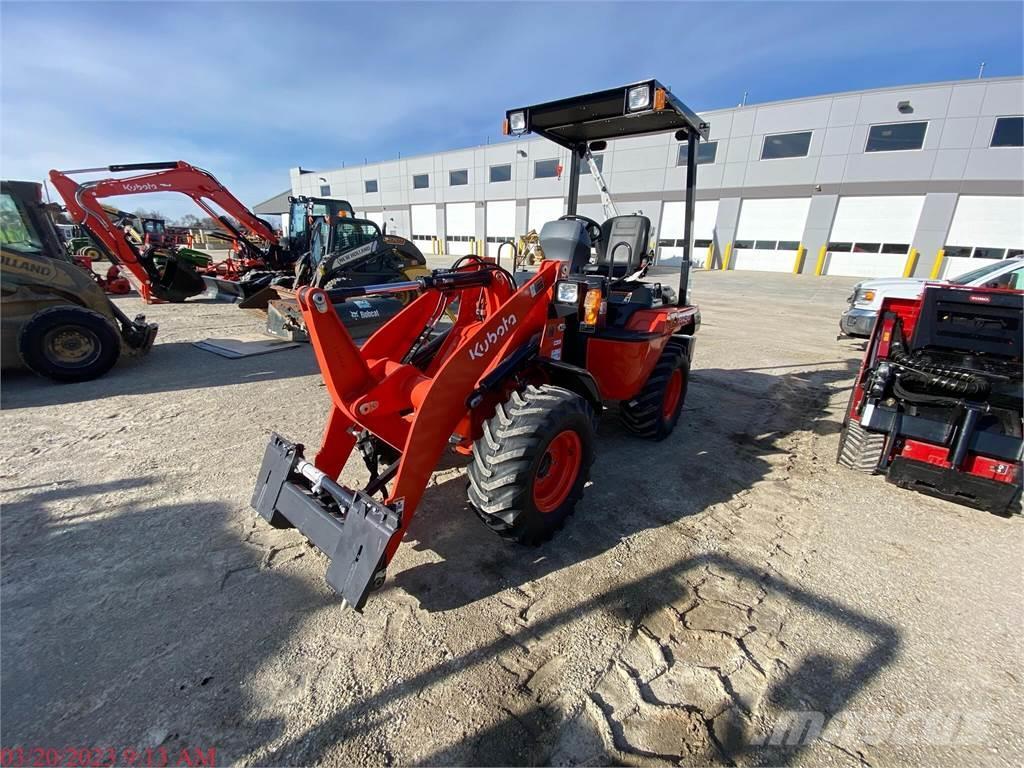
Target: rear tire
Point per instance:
(69, 344)
(531, 463)
(654, 412)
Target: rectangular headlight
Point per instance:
(638, 98)
(567, 293)
(517, 122)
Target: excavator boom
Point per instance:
(83, 206)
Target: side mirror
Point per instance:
(598, 146)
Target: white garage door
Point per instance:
(424, 227)
(670, 232)
(460, 228)
(501, 226)
(871, 236)
(985, 229)
(377, 217)
(769, 233)
(542, 210)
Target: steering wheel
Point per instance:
(593, 228)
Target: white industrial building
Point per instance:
(925, 179)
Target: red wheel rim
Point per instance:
(557, 471)
(673, 391)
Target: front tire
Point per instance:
(532, 462)
(69, 344)
(654, 412)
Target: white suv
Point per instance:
(859, 318)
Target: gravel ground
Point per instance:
(711, 590)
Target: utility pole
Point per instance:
(981, 70)
(744, 102)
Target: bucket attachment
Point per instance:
(176, 282)
(261, 299)
(348, 526)
(219, 289)
(361, 316)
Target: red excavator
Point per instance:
(152, 270)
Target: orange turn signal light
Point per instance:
(659, 98)
(591, 306)
(505, 130)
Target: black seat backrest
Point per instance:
(635, 231)
(566, 241)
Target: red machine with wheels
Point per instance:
(937, 405)
(516, 381)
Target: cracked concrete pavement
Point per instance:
(709, 589)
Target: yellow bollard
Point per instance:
(710, 256)
(908, 268)
(937, 264)
(726, 256)
(798, 264)
(820, 266)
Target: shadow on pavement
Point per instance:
(141, 625)
(170, 367)
(730, 432)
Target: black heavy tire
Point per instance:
(69, 344)
(513, 453)
(859, 449)
(645, 414)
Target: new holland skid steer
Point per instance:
(516, 381)
(57, 320)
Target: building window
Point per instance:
(585, 166)
(786, 145)
(706, 152)
(421, 181)
(745, 244)
(896, 137)
(546, 169)
(1009, 132)
(370, 185)
(787, 245)
(840, 247)
(501, 173)
(765, 245)
(325, 190)
(901, 248)
(458, 178)
(989, 253)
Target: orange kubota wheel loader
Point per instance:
(517, 379)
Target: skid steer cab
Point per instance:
(515, 381)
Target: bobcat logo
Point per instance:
(480, 349)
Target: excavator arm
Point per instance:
(83, 206)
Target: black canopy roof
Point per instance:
(604, 115)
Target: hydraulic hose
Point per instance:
(940, 379)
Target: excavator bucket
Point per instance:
(262, 298)
(218, 289)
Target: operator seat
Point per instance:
(633, 230)
(566, 240)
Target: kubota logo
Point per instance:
(130, 187)
(479, 349)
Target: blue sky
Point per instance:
(249, 89)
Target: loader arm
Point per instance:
(83, 206)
